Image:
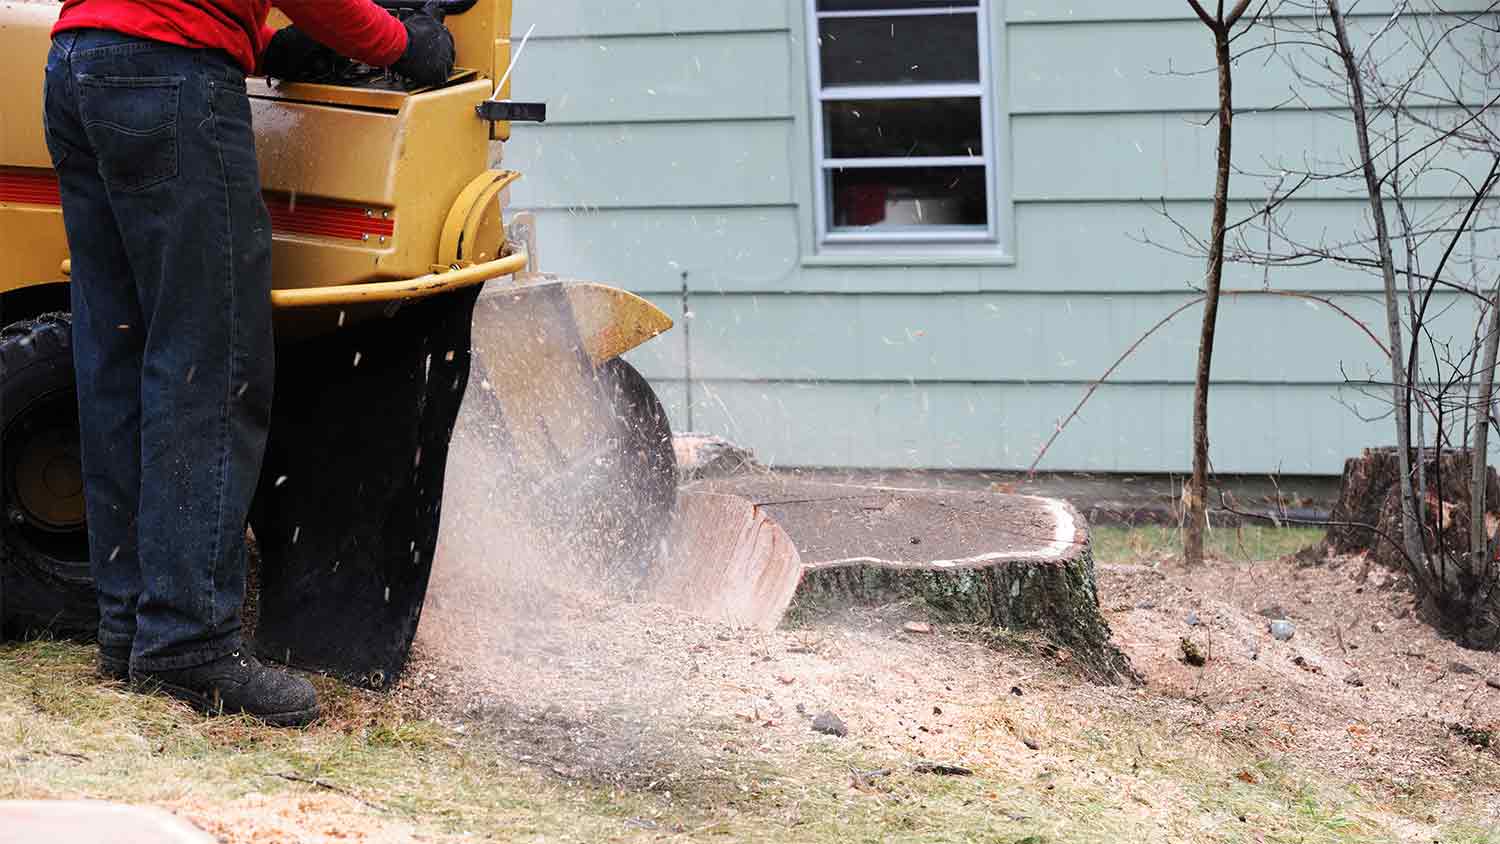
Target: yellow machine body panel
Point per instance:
(361, 195)
(32, 242)
(376, 195)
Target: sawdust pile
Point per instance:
(558, 671)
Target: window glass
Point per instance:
(896, 198)
(903, 128)
(905, 149)
(902, 49)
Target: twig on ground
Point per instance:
(328, 786)
(77, 757)
(864, 779)
(942, 770)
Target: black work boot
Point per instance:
(234, 684)
(113, 663)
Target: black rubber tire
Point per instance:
(46, 587)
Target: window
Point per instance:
(902, 121)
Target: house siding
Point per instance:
(677, 163)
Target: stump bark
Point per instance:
(1362, 492)
(1057, 599)
(1464, 602)
(753, 549)
(1369, 495)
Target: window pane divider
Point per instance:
(933, 11)
(913, 234)
(905, 161)
(897, 91)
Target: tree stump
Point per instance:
(1369, 495)
(1362, 492)
(752, 549)
(701, 456)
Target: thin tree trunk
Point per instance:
(1197, 494)
(1413, 365)
(1410, 531)
(1479, 458)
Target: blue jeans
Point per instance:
(172, 342)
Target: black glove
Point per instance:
(428, 59)
(293, 56)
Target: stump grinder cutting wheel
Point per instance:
(389, 217)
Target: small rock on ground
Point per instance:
(1283, 630)
(1273, 612)
(830, 724)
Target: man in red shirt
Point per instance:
(148, 125)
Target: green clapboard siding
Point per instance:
(973, 426)
(1021, 12)
(644, 165)
(1163, 66)
(662, 77)
(1031, 337)
(1149, 155)
(718, 248)
(1129, 246)
(676, 164)
(1063, 247)
(573, 18)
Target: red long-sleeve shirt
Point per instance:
(355, 28)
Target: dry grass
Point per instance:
(1110, 765)
(628, 722)
(1156, 543)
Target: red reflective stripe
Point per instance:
(315, 217)
(32, 188)
(327, 219)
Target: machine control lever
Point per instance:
(500, 110)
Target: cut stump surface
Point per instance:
(748, 550)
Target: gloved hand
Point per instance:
(428, 59)
(293, 56)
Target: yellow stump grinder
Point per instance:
(395, 271)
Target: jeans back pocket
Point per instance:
(131, 122)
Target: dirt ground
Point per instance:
(643, 697)
(1364, 689)
(565, 716)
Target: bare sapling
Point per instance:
(1410, 531)
(1195, 497)
(1480, 551)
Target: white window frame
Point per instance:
(985, 90)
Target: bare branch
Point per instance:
(1089, 393)
(1239, 12)
(1204, 16)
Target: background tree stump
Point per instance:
(1368, 494)
(1362, 492)
(1464, 600)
